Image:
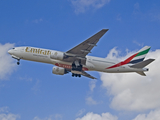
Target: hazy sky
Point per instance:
(31, 92)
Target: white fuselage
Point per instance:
(92, 63)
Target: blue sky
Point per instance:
(31, 92)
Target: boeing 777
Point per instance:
(77, 62)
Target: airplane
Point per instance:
(77, 62)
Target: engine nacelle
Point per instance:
(57, 55)
(59, 70)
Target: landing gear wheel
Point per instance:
(72, 74)
(76, 75)
(18, 62)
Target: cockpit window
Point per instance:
(13, 48)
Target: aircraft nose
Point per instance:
(10, 52)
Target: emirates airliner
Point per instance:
(77, 62)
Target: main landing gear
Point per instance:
(76, 75)
(76, 66)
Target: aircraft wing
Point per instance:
(87, 75)
(85, 47)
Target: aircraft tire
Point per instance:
(72, 74)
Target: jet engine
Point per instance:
(59, 70)
(57, 55)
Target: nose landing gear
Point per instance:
(17, 58)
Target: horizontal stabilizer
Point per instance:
(141, 73)
(142, 64)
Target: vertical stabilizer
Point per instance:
(140, 55)
(134, 59)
